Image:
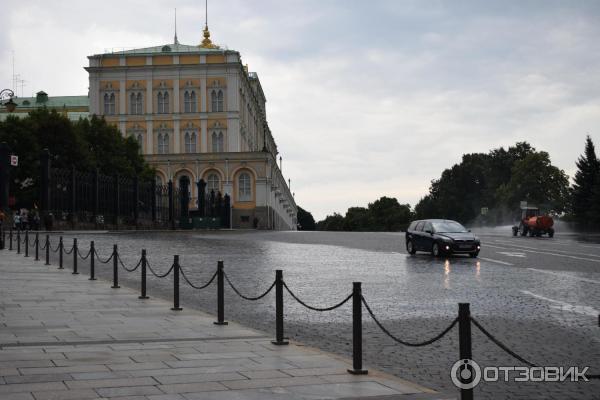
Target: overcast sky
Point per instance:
(364, 98)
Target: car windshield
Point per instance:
(448, 227)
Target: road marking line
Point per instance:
(561, 305)
(548, 253)
(512, 254)
(495, 261)
(537, 248)
(564, 275)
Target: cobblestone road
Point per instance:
(539, 296)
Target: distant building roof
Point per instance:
(171, 48)
(42, 99)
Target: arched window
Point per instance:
(220, 142)
(186, 102)
(220, 101)
(217, 142)
(193, 101)
(132, 103)
(190, 142)
(213, 101)
(109, 104)
(163, 102)
(135, 103)
(140, 140)
(163, 143)
(244, 187)
(212, 183)
(184, 181)
(139, 104)
(159, 181)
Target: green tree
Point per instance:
(584, 190)
(306, 221)
(535, 180)
(333, 222)
(356, 219)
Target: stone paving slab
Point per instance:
(63, 336)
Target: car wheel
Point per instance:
(435, 250)
(410, 247)
(551, 233)
(474, 254)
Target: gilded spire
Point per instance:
(206, 42)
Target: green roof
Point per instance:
(170, 48)
(52, 102)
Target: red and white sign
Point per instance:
(14, 161)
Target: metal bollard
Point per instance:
(26, 243)
(2, 237)
(115, 268)
(357, 368)
(220, 295)
(18, 241)
(37, 246)
(279, 339)
(10, 239)
(61, 247)
(92, 262)
(75, 257)
(464, 345)
(176, 284)
(143, 295)
(47, 249)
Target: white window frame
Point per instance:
(244, 187)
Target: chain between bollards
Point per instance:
(176, 268)
(37, 246)
(61, 247)
(26, 243)
(220, 295)
(115, 267)
(279, 339)
(465, 349)
(357, 367)
(144, 264)
(92, 261)
(75, 272)
(47, 250)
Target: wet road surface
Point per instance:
(540, 296)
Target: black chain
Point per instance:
(69, 251)
(419, 344)
(103, 261)
(57, 248)
(246, 297)
(158, 275)
(341, 303)
(194, 286)
(87, 255)
(46, 244)
(500, 344)
(125, 268)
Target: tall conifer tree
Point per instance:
(586, 177)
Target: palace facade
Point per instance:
(197, 113)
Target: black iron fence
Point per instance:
(464, 320)
(70, 198)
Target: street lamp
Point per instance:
(10, 104)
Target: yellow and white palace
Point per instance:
(197, 113)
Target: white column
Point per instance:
(122, 97)
(149, 99)
(204, 136)
(203, 106)
(176, 96)
(149, 138)
(176, 137)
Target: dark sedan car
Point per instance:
(441, 236)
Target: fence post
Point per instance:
(115, 268)
(464, 345)
(92, 261)
(220, 295)
(26, 243)
(117, 199)
(143, 295)
(153, 199)
(75, 250)
(44, 185)
(95, 190)
(136, 201)
(357, 367)
(37, 246)
(10, 239)
(73, 197)
(61, 247)
(279, 339)
(18, 241)
(47, 249)
(176, 284)
(2, 237)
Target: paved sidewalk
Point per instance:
(63, 336)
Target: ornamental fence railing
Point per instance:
(464, 319)
(70, 198)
